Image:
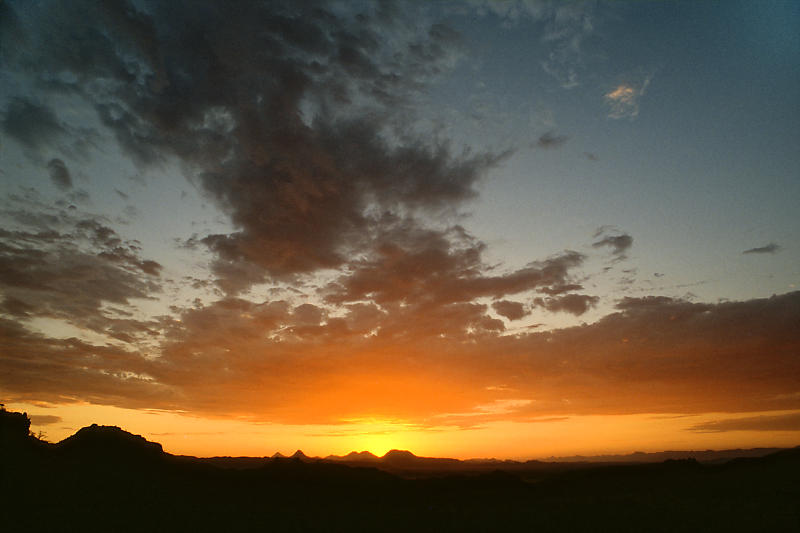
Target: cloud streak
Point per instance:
(785, 422)
(770, 248)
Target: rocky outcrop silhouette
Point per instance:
(109, 442)
(14, 430)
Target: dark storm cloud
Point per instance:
(59, 174)
(770, 248)
(787, 422)
(551, 140)
(510, 310)
(576, 304)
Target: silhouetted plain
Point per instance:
(106, 479)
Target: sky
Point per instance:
(471, 229)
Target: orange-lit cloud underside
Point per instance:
(655, 355)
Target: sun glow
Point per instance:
(379, 436)
(378, 443)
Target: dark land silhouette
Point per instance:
(103, 478)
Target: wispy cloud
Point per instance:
(551, 140)
(43, 420)
(567, 25)
(623, 100)
(786, 422)
(612, 238)
(770, 248)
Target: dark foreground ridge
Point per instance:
(106, 479)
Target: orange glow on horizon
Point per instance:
(555, 436)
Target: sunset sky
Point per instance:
(472, 229)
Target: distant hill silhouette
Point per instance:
(300, 455)
(109, 442)
(354, 456)
(106, 479)
(704, 456)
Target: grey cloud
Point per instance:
(290, 109)
(576, 304)
(784, 422)
(591, 156)
(510, 310)
(551, 140)
(363, 318)
(619, 244)
(770, 248)
(308, 314)
(59, 174)
(647, 302)
(79, 196)
(37, 128)
(560, 289)
(433, 268)
(67, 268)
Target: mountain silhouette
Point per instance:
(300, 455)
(399, 457)
(109, 442)
(361, 456)
(104, 478)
